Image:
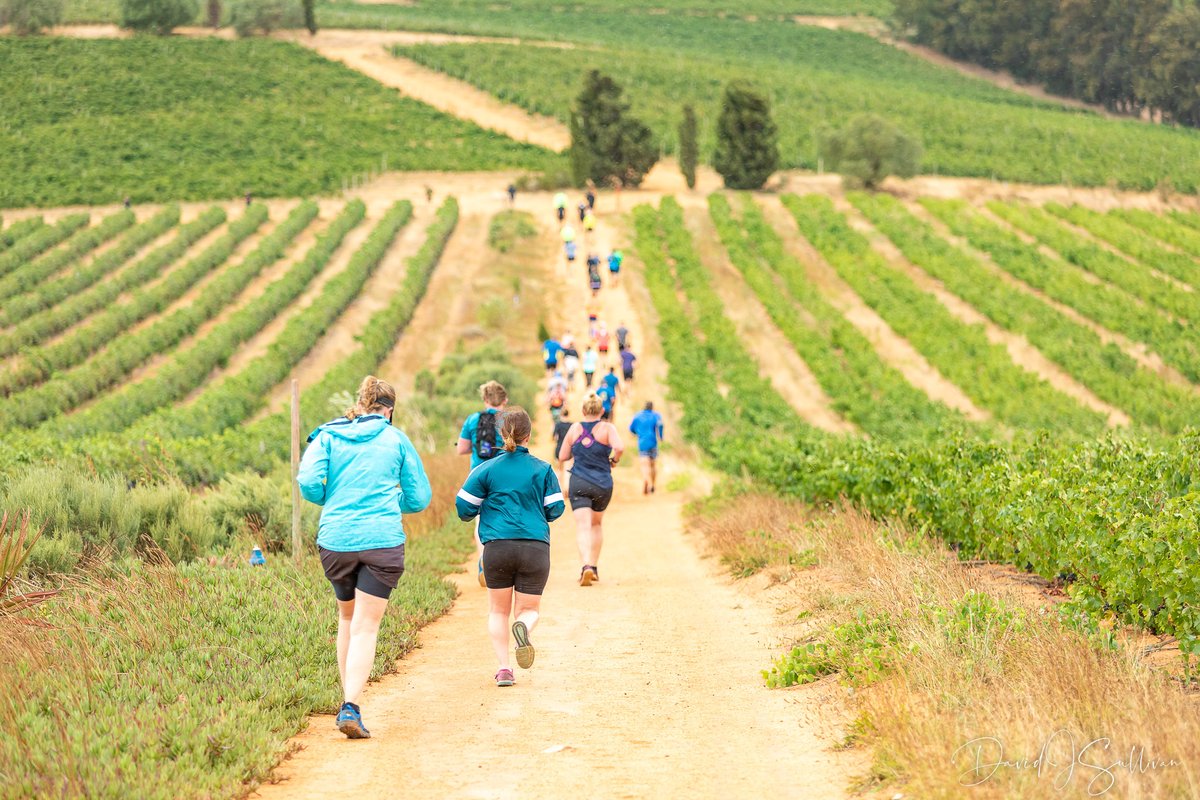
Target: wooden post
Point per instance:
(295, 470)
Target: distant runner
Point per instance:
(647, 426)
(622, 336)
(365, 475)
(608, 398)
(589, 221)
(596, 448)
(512, 194)
(627, 361)
(480, 437)
(590, 196)
(560, 206)
(570, 361)
(614, 265)
(583, 210)
(514, 496)
(568, 237)
(551, 350)
(594, 278)
(593, 315)
(556, 394)
(591, 359)
(602, 338)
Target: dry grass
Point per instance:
(968, 657)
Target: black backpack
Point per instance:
(487, 436)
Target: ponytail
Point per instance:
(374, 395)
(515, 427)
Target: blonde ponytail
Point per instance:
(515, 427)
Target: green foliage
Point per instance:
(256, 114)
(862, 652)
(961, 352)
(689, 147)
(310, 16)
(249, 17)
(1166, 228)
(19, 229)
(31, 16)
(607, 143)
(39, 241)
(579, 155)
(157, 16)
(27, 276)
(747, 150)
(508, 228)
(869, 149)
(543, 333)
(814, 78)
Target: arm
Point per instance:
(463, 447)
(314, 471)
(614, 441)
(552, 496)
(414, 484)
(564, 452)
(470, 497)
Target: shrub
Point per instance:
(157, 16)
(249, 17)
(869, 149)
(30, 16)
(747, 149)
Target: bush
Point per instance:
(869, 149)
(249, 17)
(509, 227)
(30, 16)
(747, 148)
(158, 16)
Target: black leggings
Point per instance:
(523, 564)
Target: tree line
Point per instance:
(1131, 56)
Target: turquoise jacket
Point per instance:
(515, 495)
(366, 475)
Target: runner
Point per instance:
(551, 350)
(627, 360)
(594, 279)
(480, 437)
(365, 474)
(568, 237)
(591, 360)
(560, 432)
(512, 194)
(583, 209)
(647, 426)
(556, 394)
(602, 338)
(622, 336)
(596, 448)
(608, 398)
(593, 314)
(589, 221)
(560, 206)
(570, 361)
(515, 497)
(614, 265)
(590, 196)
(612, 384)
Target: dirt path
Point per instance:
(638, 682)
(892, 348)
(777, 360)
(1022, 352)
(1135, 350)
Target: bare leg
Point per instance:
(583, 536)
(653, 471)
(500, 602)
(345, 615)
(364, 632)
(647, 473)
(527, 608)
(597, 537)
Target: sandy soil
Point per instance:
(892, 348)
(1023, 354)
(777, 360)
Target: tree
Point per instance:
(249, 17)
(1170, 78)
(869, 149)
(157, 16)
(30, 16)
(579, 156)
(214, 13)
(747, 151)
(689, 151)
(310, 16)
(606, 141)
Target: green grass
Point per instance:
(508, 228)
(169, 119)
(165, 682)
(817, 77)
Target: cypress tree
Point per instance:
(689, 151)
(607, 142)
(747, 150)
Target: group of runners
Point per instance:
(366, 474)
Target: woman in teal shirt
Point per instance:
(516, 496)
(365, 475)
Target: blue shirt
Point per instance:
(515, 495)
(606, 395)
(365, 474)
(471, 427)
(550, 351)
(614, 262)
(648, 427)
(612, 382)
(627, 359)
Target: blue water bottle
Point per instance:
(256, 557)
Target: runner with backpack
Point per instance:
(556, 395)
(614, 265)
(480, 438)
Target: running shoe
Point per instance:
(504, 678)
(482, 581)
(595, 573)
(586, 576)
(349, 722)
(524, 648)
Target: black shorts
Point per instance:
(628, 374)
(521, 564)
(374, 572)
(585, 494)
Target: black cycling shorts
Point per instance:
(374, 572)
(585, 494)
(521, 564)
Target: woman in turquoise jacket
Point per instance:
(516, 496)
(365, 475)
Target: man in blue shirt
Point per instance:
(551, 350)
(648, 427)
